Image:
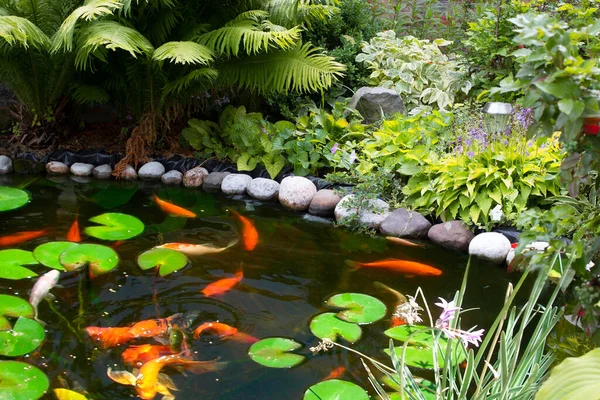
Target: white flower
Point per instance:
(496, 213)
(409, 311)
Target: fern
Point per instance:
(21, 32)
(87, 94)
(183, 53)
(198, 78)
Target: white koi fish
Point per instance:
(42, 288)
(196, 249)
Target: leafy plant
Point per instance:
(333, 389)
(13, 261)
(276, 352)
(99, 259)
(164, 260)
(12, 198)
(21, 381)
(115, 226)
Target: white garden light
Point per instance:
(496, 116)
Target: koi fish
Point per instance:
(42, 288)
(109, 337)
(335, 373)
(73, 234)
(224, 331)
(514, 245)
(196, 249)
(172, 209)
(222, 285)
(163, 382)
(139, 355)
(22, 237)
(403, 242)
(66, 394)
(395, 321)
(249, 232)
(404, 266)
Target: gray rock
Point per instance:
(263, 189)
(6, 166)
(103, 171)
(296, 193)
(128, 173)
(213, 181)
(194, 177)
(172, 177)
(151, 171)
(405, 224)
(57, 168)
(318, 220)
(235, 184)
(372, 215)
(371, 102)
(490, 246)
(324, 202)
(82, 169)
(452, 235)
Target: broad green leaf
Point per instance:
(21, 381)
(359, 308)
(426, 388)
(48, 253)
(166, 260)
(274, 163)
(12, 261)
(329, 326)
(12, 198)
(117, 226)
(100, 259)
(12, 306)
(335, 389)
(24, 337)
(276, 352)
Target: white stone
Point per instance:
(373, 215)
(490, 246)
(81, 169)
(57, 168)
(296, 193)
(235, 183)
(6, 166)
(151, 171)
(263, 189)
(128, 173)
(194, 177)
(172, 177)
(510, 256)
(103, 171)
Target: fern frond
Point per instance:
(301, 69)
(198, 77)
(22, 32)
(309, 14)
(183, 53)
(88, 94)
(126, 9)
(254, 15)
(162, 26)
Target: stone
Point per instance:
(316, 219)
(213, 181)
(263, 189)
(128, 173)
(151, 171)
(490, 246)
(57, 168)
(194, 177)
(371, 102)
(82, 169)
(235, 184)
(103, 171)
(372, 216)
(172, 177)
(453, 235)
(405, 224)
(6, 166)
(324, 202)
(296, 193)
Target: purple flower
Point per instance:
(448, 311)
(334, 148)
(471, 154)
(473, 337)
(524, 117)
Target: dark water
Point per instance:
(297, 265)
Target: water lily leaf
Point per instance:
(23, 338)
(66, 394)
(117, 226)
(12, 262)
(12, 306)
(21, 381)
(335, 389)
(12, 198)
(359, 308)
(276, 352)
(166, 260)
(329, 326)
(48, 254)
(426, 388)
(101, 259)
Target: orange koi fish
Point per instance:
(224, 331)
(222, 285)
(335, 373)
(404, 266)
(172, 209)
(163, 382)
(403, 242)
(139, 355)
(73, 234)
(196, 249)
(109, 337)
(249, 232)
(22, 237)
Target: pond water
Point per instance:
(297, 265)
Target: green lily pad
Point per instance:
(426, 388)
(12, 306)
(12, 262)
(48, 254)
(359, 308)
(335, 389)
(276, 352)
(23, 338)
(12, 198)
(166, 260)
(101, 259)
(329, 326)
(21, 381)
(116, 226)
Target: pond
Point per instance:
(297, 265)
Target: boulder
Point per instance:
(452, 235)
(235, 184)
(195, 177)
(82, 169)
(172, 177)
(296, 193)
(128, 173)
(57, 168)
(103, 171)
(6, 166)
(263, 189)
(316, 219)
(151, 171)
(213, 181)
(490, 246)
(324, 202)
(371, 215)
(405, 224)
(371, 102)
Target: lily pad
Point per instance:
(101, 259)
(329, 326)
(12, 306)
(23, 338)
(116, 226)
(359, 308)
(12, 198)
(276, 352)
(166, 260)
(48, 254)
(335, 389)
(12, 262)
(426, 388)
(20, 381)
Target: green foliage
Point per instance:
(21, 381)
(12, 198)
(333, 389)
(276, 352)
